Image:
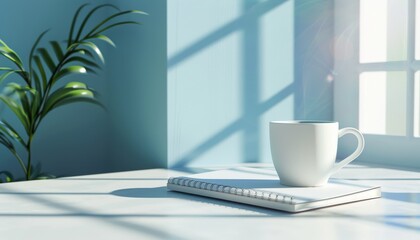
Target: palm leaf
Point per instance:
(76, 85)
(6, 74)
(89, 53)
(57, 50)
(68, 70)
(12, 57)
(31, 55)
(6, 69)
(79, 99)
(31, 102)
(24, 101)
(37, 81)
(47, 59)
(68, 95)
(8, 130)
(10, 54)
(83, 52)
(73, 24)
(91, 33)
(41, 71)
(5, 141)
(82, 60)
(11, 147)
(95, 49)
(17, 109)
(24, 75)
(89, 15)
(36, 105)
(22, 95)
(3, 43)
(61, 93)
(103, 38)
(8, 176)
(37, 173)
(114, 25)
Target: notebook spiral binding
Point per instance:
(269, 196)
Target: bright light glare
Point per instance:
(382, 103)
(372, 99)
(383, 30)
(373, 30)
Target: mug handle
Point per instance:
(355, 154)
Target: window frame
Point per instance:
(384, 149)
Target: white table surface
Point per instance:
(136, 205)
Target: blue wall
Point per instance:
(314, 59)
(83, 138)
(196, 84)
(71, 139)
(233, 66)
(137, 89)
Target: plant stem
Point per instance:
(29, 165)
(38, 117)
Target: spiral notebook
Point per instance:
(261, 187)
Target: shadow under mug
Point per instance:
(304, 152)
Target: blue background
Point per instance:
(196, 84)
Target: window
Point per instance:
(377, 86)
(382, 102)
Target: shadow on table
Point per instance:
(411, 197)
(158, 192)
(162, 192)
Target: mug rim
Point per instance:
(308, 122)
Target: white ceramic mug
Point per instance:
(304, 152)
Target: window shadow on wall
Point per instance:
(310, 87)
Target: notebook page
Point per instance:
(267, 180)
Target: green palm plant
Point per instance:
(42, 89)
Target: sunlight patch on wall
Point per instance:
(276, 50)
